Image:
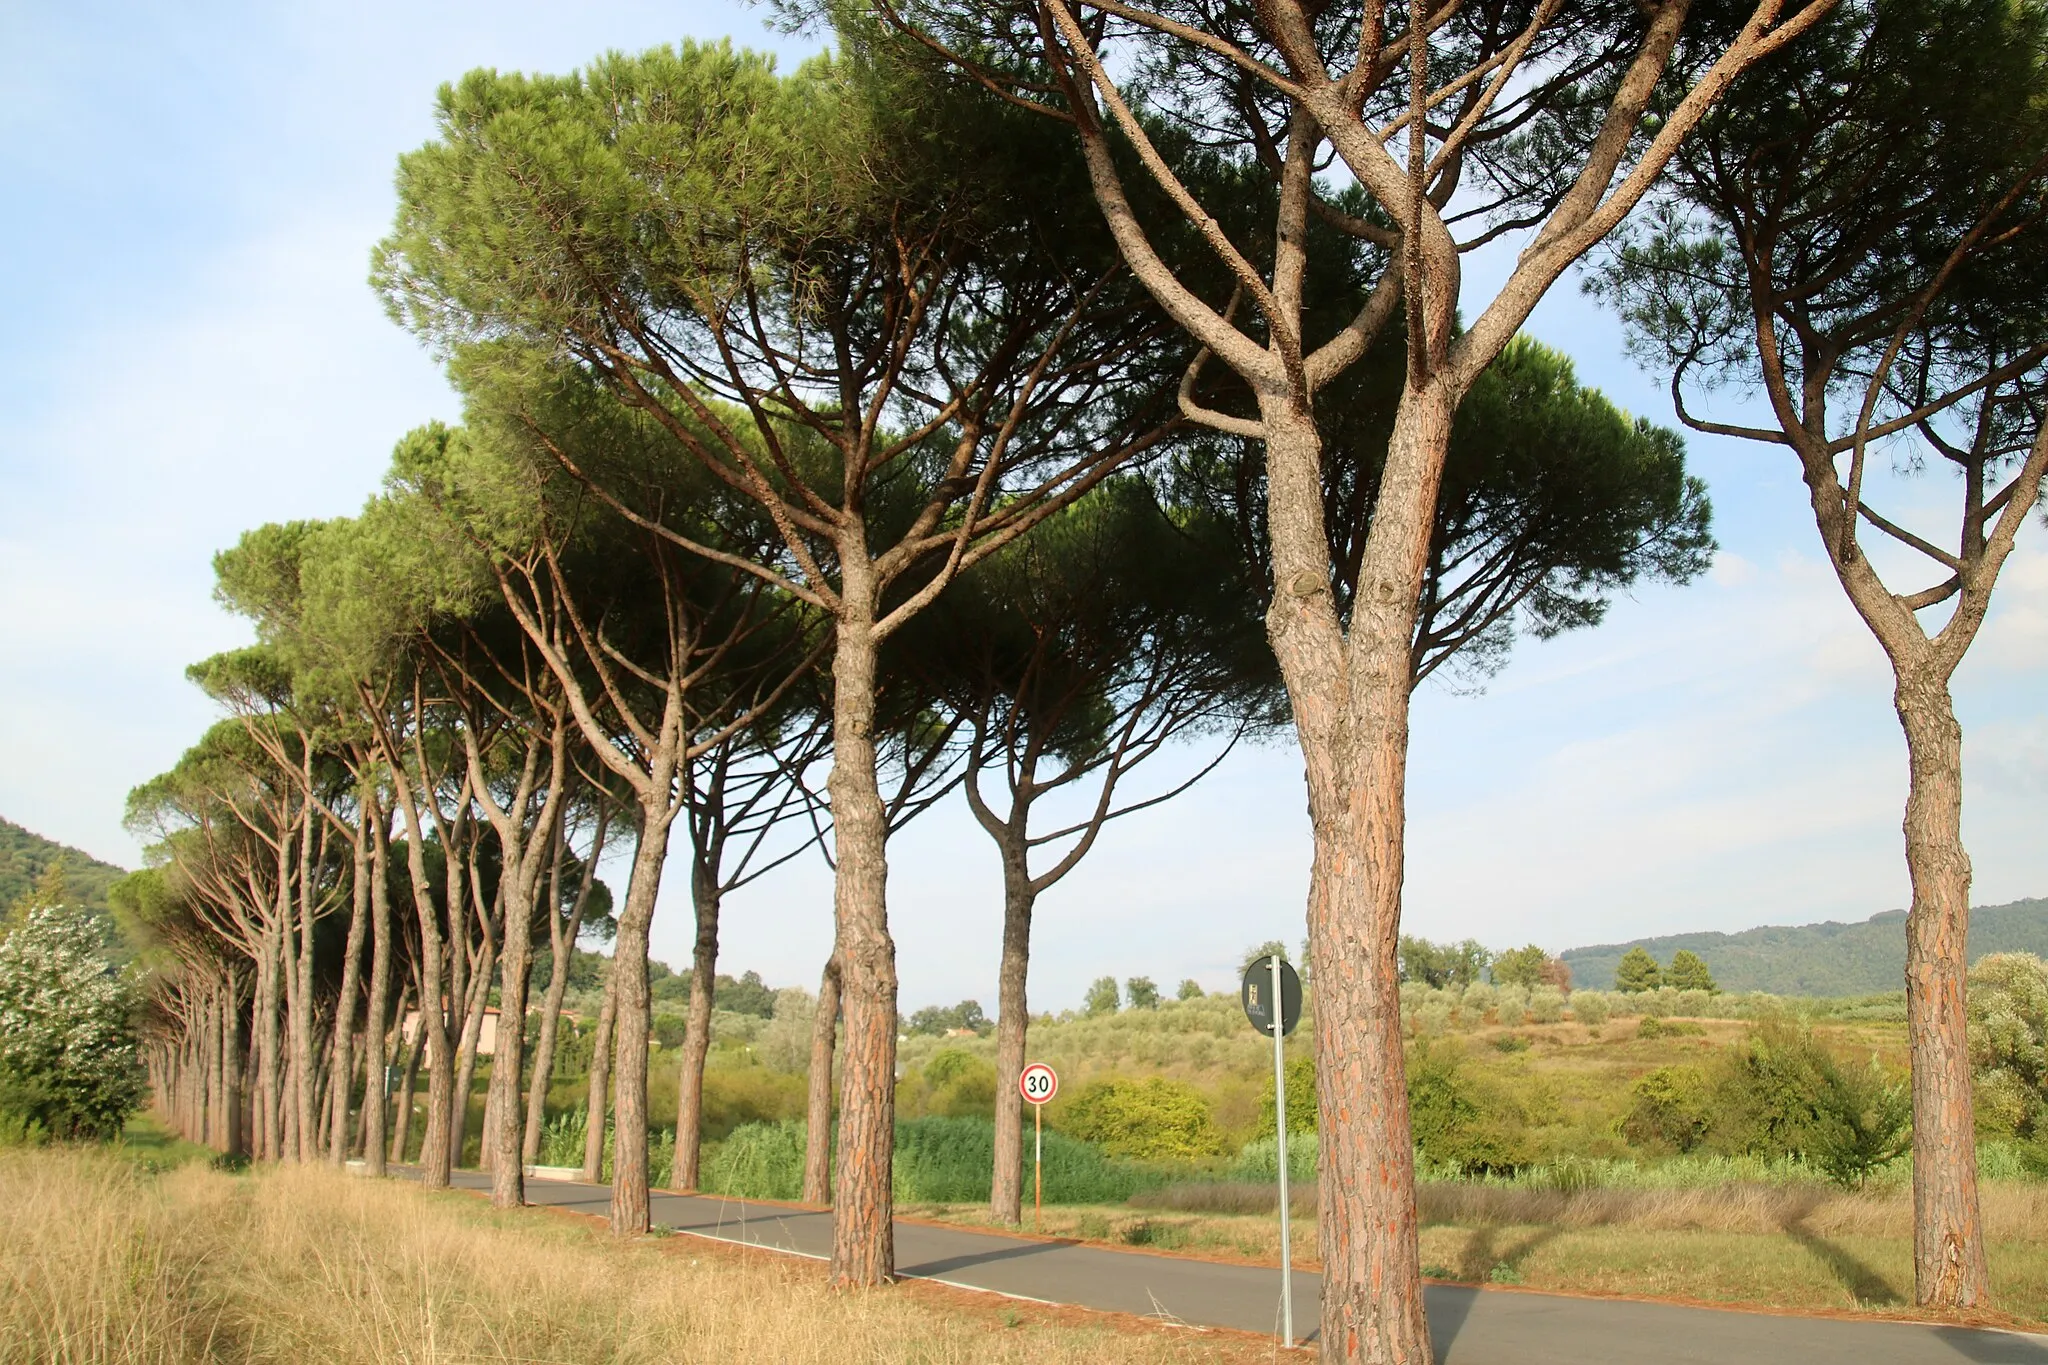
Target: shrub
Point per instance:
(1671, 1110)
(1301, 1100)
(1153, 1119)
(1692, 1003)
(1546, 1004)
(1433, 1020)
(1865, 1124)
(1479, 1002)
(561, 1139)
(1654, 1027)
(1190, 989)
(67, 1047)
(954, 1083)
(2009, 1041)
(1459, 1120)
(1513, 1007)
(1589, 1007)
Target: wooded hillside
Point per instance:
(25, 855)
(1830, 958)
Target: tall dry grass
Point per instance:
(102, 1263)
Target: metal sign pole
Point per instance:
(1280, 1127)
(1037, 1166)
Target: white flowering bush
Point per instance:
(67, 1040)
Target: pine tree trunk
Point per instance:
(269, 1047)
(818, 1111)
(233, 1141)
(376, 1019)
(408, 1086)
(505, 1136)
(345, 1003)
(1350, 694)
(303, 1061)
(1949, 1267)
(596, 1111)
(1013, 1020)
(863, 1226)
(562, 949)
(630, 1020)
(466, 1056)
(697, 1034)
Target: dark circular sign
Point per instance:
(1257, 995)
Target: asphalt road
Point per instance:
(1469, 1326)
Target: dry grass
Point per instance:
(101, 1262)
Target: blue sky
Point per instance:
(188, 348)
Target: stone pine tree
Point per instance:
(1459, 127)
(897, 330)
(1688, 972)
(1861, 238)
(1637, 972)
(1074, 657)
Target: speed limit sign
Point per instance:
(1038, 1083)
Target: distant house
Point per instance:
(486, 1037)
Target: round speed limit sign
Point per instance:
(1038, 1083)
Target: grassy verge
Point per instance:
(105, 1261)
(1756, 1245)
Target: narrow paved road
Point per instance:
(1469, 1326)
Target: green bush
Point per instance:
(561, 1139)
(1461, 1120)
(2009, 1043)
(953, 1083)
(1671, 1110)
(1589, 1007)
(1301, 1101)
(1866, 1123)
(1155, 1119)
(1546, 1004)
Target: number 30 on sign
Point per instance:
(1038, 1083)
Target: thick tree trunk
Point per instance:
(376, 1019)
(597, 1109)
(1013, 1020)
(345, 1003)
(416, 1051)
(630, 1021)
(1949, 1267)
(818, 1113)
(697, 1034)
(1350, 693)
(863, 1227)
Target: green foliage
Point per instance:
(2009, 1043)
(757, 1161)
(1442, 964)
(1462, 1120)
(1520, 967)
(1142, 992)
(1654, 1027)
(1866, 1123)
(67, 1046)
(953, 1083)
(939, 1020)
(1102, 997)
(562, 1137)
(1670, 1111)
(1637, 972)
(1155, 1119)
(1688, 972)
(1301, 1100)
(1590, 1008)
(1825, 960)
(36, 872)
(748, 995)
(1190, 989)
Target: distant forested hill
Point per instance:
(25, 855)
(1820, 959)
